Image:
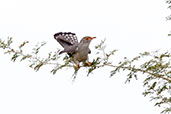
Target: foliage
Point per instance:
(155, 66)
(169, 17)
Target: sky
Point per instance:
(130, 26)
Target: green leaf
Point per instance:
(37, 67)
(25, 57)
(9, 41)
(14, 57)
(153, 85)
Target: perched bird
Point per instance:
(79, 51)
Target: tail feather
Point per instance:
(61, 52)
(70, 54)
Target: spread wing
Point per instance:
(67, 40)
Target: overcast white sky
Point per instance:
(131, 26)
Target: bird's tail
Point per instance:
(61, 52)
(70, 54)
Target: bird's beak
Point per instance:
(92, 38)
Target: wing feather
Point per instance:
(67, 40)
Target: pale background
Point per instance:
(131, 26)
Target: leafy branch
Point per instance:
(155, 66)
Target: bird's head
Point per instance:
(87, 39)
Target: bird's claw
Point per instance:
(89, 64)
(77, 66)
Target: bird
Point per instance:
(77, 50)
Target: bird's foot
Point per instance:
(89, 64)
(77, 66)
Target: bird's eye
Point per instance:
(87, 38)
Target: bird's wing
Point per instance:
(67, 40)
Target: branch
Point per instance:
(156, 65)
